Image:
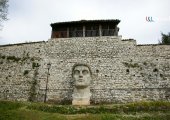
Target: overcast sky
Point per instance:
(29, 20)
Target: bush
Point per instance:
(13, 58)
(165, 39)
(146, 106)
(9, 105)
(69, 109)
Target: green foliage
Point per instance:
(9, 105)
(126, 108)
(33, 93)
(145, 63)
(17, 59)
(53, 109)
(2, 56)
(34, 65)
(131, 65)
(109, 117)
(135, 117)
(26, 72)
(24, 114)
(13, 58)
(158, 110)
(32, 59)
(165, 39)
(25, 56)
(146, 106)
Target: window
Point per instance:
(92, 31)
(107, 30)
(76, 31)
(59, 32)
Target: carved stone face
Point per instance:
(81, 76)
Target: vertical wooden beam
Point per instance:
(100, 30)
(84, 30)
(116, 31)
(68, 32)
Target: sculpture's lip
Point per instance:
(80, 80)
(81, 86)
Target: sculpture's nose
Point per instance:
(80, 75)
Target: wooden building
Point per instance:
(85, 28)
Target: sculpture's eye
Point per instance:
(85, 72)
(76, 72)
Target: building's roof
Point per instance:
(115, 21)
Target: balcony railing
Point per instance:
(59, 34)
(77, 33)
(108, 32)
(90, 33)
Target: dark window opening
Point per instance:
(108, 30)
(76, 32)
(59, 33)
(92, 31)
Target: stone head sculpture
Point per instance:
(81, 74)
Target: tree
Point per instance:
(165, 39)
(3, 11)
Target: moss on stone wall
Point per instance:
(131, 65)
(33, 93)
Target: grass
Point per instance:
(10, 110)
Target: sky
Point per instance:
(29, 20)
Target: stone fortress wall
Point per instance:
(121, 70)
